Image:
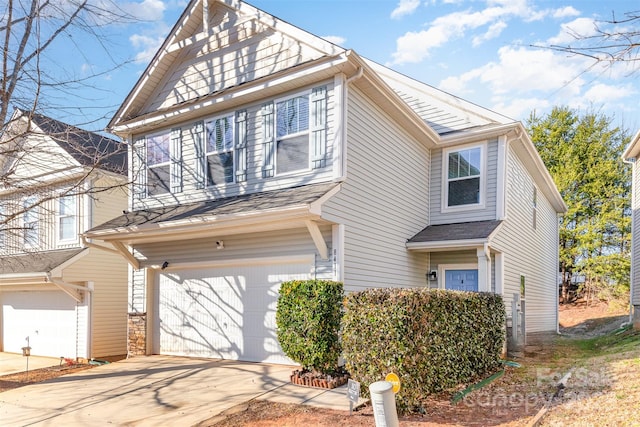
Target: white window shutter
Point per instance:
(241, 146)
(268, 140)
(199, 169)
(140, 168)
(318, 127)
(176, 160)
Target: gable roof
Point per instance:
(41, 262)
(196, 26)
(443, 112)
(89, 149)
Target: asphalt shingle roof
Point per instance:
(459, 231)
(253, 202)
(37, 262)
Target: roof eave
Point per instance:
(633, 149)
(447, 245)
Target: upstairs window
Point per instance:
(292, 134)
(158, 163)
(220, 143)
(67, 218)
(3, 227)
(30, 224)
(464, 180)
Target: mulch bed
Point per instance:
(316, 379)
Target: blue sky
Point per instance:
(480, 50)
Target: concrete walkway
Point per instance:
(156, 390)
(11, 363)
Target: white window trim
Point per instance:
(442, 268)
(445, 178)
(59, 216)
(231, 114)
(306, 93)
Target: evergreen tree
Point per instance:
(583, 154)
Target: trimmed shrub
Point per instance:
(308, 320)
(434, 340)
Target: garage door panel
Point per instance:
(225, 312)
(48, 318)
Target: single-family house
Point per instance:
(261, 153)
(58, 296)
(631, 155)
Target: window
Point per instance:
(30, 222)
(3, 227)
(220, 143)
(67, 218)
(292, 134)
(463, 177)
(158, 163)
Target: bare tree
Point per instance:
(35, 149)
(613, 41)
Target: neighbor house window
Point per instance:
(220, 143)
(30, 222)
(463, 168)
(3, 227)
(158, 163)
(67, 218)
(294, 133)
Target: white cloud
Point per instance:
(570, 31)
(494, 31)
(602, 93)
(146, 46)
(405, 7)
(340, 41)
(520, 108)
(565, 12)
(147, 10)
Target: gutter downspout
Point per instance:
(487, 254)
(632, 308)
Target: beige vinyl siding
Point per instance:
(108, 272)
(488, 212)
(383, 202)
(109, 201)
(289, 242)
(255, 182)
(238, 50)
(528, 251)
(635, 236)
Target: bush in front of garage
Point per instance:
(434, 340)
(308, 318)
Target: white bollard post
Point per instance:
(383, 401)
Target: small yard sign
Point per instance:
(353, 393)
(394, 380)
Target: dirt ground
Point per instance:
(512, 400)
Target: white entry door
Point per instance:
(226, 312)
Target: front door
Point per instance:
(461, 280)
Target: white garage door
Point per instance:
(224, 312)
(49, 318)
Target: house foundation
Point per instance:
(137, 335)
(635, 317)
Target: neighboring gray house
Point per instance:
(59, 181)
(262, 153)
(631, 156)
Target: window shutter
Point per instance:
(140, 168)
(176, 160)
(241, 146)
(318, 127)
(268, 140)
(199, 148)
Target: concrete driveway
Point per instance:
(156, 390)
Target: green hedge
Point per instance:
(308, 322)
(434, 340)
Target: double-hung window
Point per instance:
(292, 134)
(463, 177)
(219, 150)
(30, 224)
(67, 218)
(158, 163)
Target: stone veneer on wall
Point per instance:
(137, 336)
